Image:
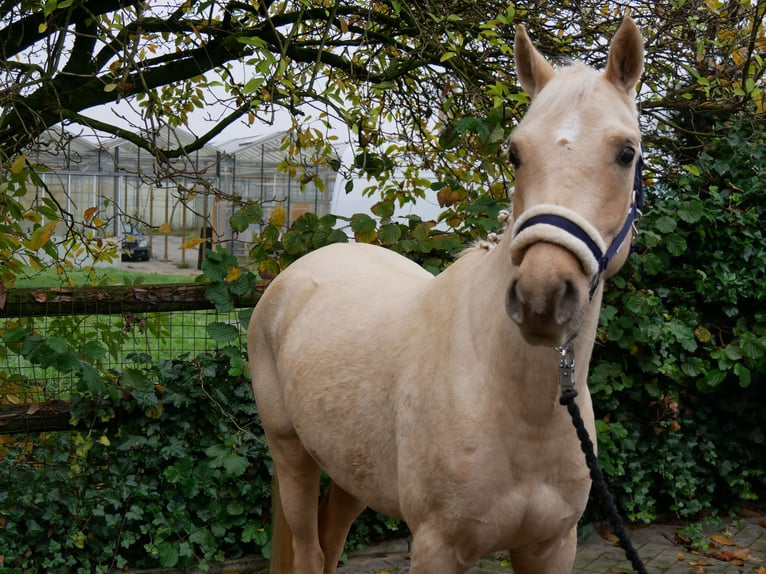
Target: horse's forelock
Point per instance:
(572, 83)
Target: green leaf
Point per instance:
(94, 350)
(168, 554)
(665, 224)
(91, 379)
(293, 243)
(337, 236)
(243, 218)
(676, 245)
(691, 211)
(390, 233)
(306, 223)
(421, 232)
(222, 332)
(222, 456)
(383, 209)
(243, 284)
(218, 294)
(744, 375)
(131, 378)
(363, 227)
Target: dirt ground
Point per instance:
(167, 257)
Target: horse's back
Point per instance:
(334, 281)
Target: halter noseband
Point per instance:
(559, 225)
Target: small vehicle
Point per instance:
(134, 244)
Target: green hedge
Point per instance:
(177, 474)
(678, 380)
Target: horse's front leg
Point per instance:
(555, 557)
(430, 554)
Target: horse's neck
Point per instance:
(520, 371)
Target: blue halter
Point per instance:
(569, 226)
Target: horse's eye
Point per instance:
(513, 156)
(626, 156)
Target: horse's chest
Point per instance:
(510, 489)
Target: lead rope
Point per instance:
(567, 399)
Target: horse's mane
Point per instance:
(492, 240)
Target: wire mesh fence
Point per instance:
(111, 326)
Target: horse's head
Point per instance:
(576, 154)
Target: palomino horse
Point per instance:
(434, 399)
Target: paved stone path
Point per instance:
(737, 547)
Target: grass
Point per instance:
(103, 276)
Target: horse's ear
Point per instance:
(533, 70)
(626, 57)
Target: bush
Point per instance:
(678, 383)
(177, 473)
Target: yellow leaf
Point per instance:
(233, 274)
(277, 217)
(702, 334)
(89, 213)
(42, 27)
(33, 217)
(192, 243)
(722, 540)
(110, 87)
(41, 235)
(18, 164)
(165, 228)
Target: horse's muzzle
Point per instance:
(548, 295)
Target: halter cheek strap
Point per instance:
(562, 226)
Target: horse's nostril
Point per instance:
(568, 301)
(513, 302)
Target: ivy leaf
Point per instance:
(744, 375)
(168, 554)
(222, 456)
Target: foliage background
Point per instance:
(678, 376)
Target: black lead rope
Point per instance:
(567, 399)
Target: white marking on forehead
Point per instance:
(568, 130)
